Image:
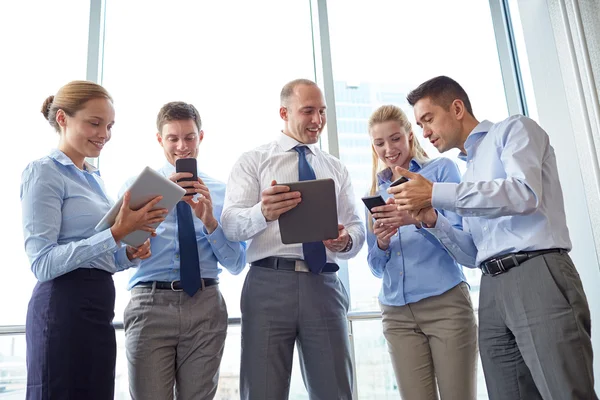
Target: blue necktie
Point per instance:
(314, 252)
(189, 265)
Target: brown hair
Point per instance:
(384, 114)
(288, 89)
(177, 111)
(442, 91)
(71, 98)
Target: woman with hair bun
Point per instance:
(71, 347)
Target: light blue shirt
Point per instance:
(61, 206)
(510, 197)
(213, 248)
(415, 266)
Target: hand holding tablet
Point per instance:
(314, 218)
(143, 193)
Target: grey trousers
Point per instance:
(173, 340)
(281, 308)
(432, 343)
(534, 332)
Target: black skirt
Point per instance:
(71, 346)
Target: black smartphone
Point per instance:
(187, 165)
(373, 201)
(399, 181)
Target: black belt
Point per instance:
(497, 265)
(175, 285)
(287, 264)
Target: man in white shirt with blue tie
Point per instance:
(292, 293)
(534, 319)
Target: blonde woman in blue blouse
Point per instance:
(427, 314)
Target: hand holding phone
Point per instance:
(187, 165)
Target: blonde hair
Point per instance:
(385, 114)
(71, 98)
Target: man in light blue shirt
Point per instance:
(176, 321)
(534, 331)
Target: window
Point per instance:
(380, 51)
(403, 44)
(515, 19)
(172, 54)
(39, 56)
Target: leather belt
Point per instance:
(290, 264)
(175, 285)
(498, 265)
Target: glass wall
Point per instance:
(210, 54)
(39, 55)
(381, 50)
(230, 59)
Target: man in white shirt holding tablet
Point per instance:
(292, 293)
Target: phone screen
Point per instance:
(373, 201)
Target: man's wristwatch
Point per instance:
(348, 246)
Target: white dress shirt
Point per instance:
(242, 218)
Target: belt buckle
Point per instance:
(300, 266)
(498, 262)
(173, 287)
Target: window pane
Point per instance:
(226, 58)
(515, 18)
(13, 373)
(39, 56)
(398, 46)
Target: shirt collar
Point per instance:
(386, 174)
(287, 143)
(478, 132)
(168, 168)
(63, 159)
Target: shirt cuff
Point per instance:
(441, 228)
(123, 262)
(106, 239)
(217, 237)
(444, 196)
(376, 252)
(257, 218)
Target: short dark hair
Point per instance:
(177, 111)
(288, 89)
(442, 91)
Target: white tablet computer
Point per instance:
(314, 219)
(146, 186)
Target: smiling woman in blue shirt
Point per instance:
(428, 318)
(71, 347)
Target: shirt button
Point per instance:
(401, 273)
(485, 228)
(105, 246)
(177, 256)
(398, 253)
(214, 241)
(79, 260)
